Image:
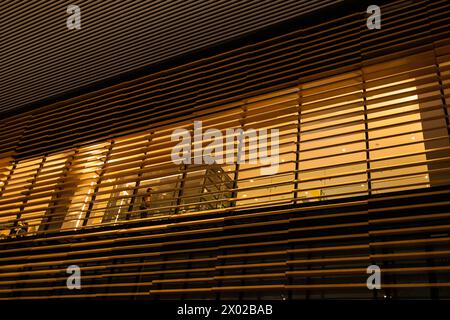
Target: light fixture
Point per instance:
(245, 196)
(413, 138)
(343, 149)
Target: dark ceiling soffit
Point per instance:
(346, 7)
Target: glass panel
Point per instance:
(116, 190)
(160, 180)
(47, 214)
(159, 190)
(209, 185)
(398, 139)
(332, 139)
(206, 187)
(80, 184)
(263, 182)
(6, 221)
(15, 196)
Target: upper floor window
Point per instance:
(379, 129)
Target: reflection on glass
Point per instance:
(206, 187)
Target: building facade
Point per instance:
(363, 170)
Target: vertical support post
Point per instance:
(297, 152)
(366, 135)
(97, 185)
(139, 178)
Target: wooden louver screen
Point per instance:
(363, 178)
(375, 130)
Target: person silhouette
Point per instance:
(146, 203)
(21, 229)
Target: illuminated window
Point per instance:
(6, 220)
(45, 190)
(80, 185)
(409, 145)
(332, 139)
(276, 111)
(117, 178)
(379, 129)
(28, 192)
